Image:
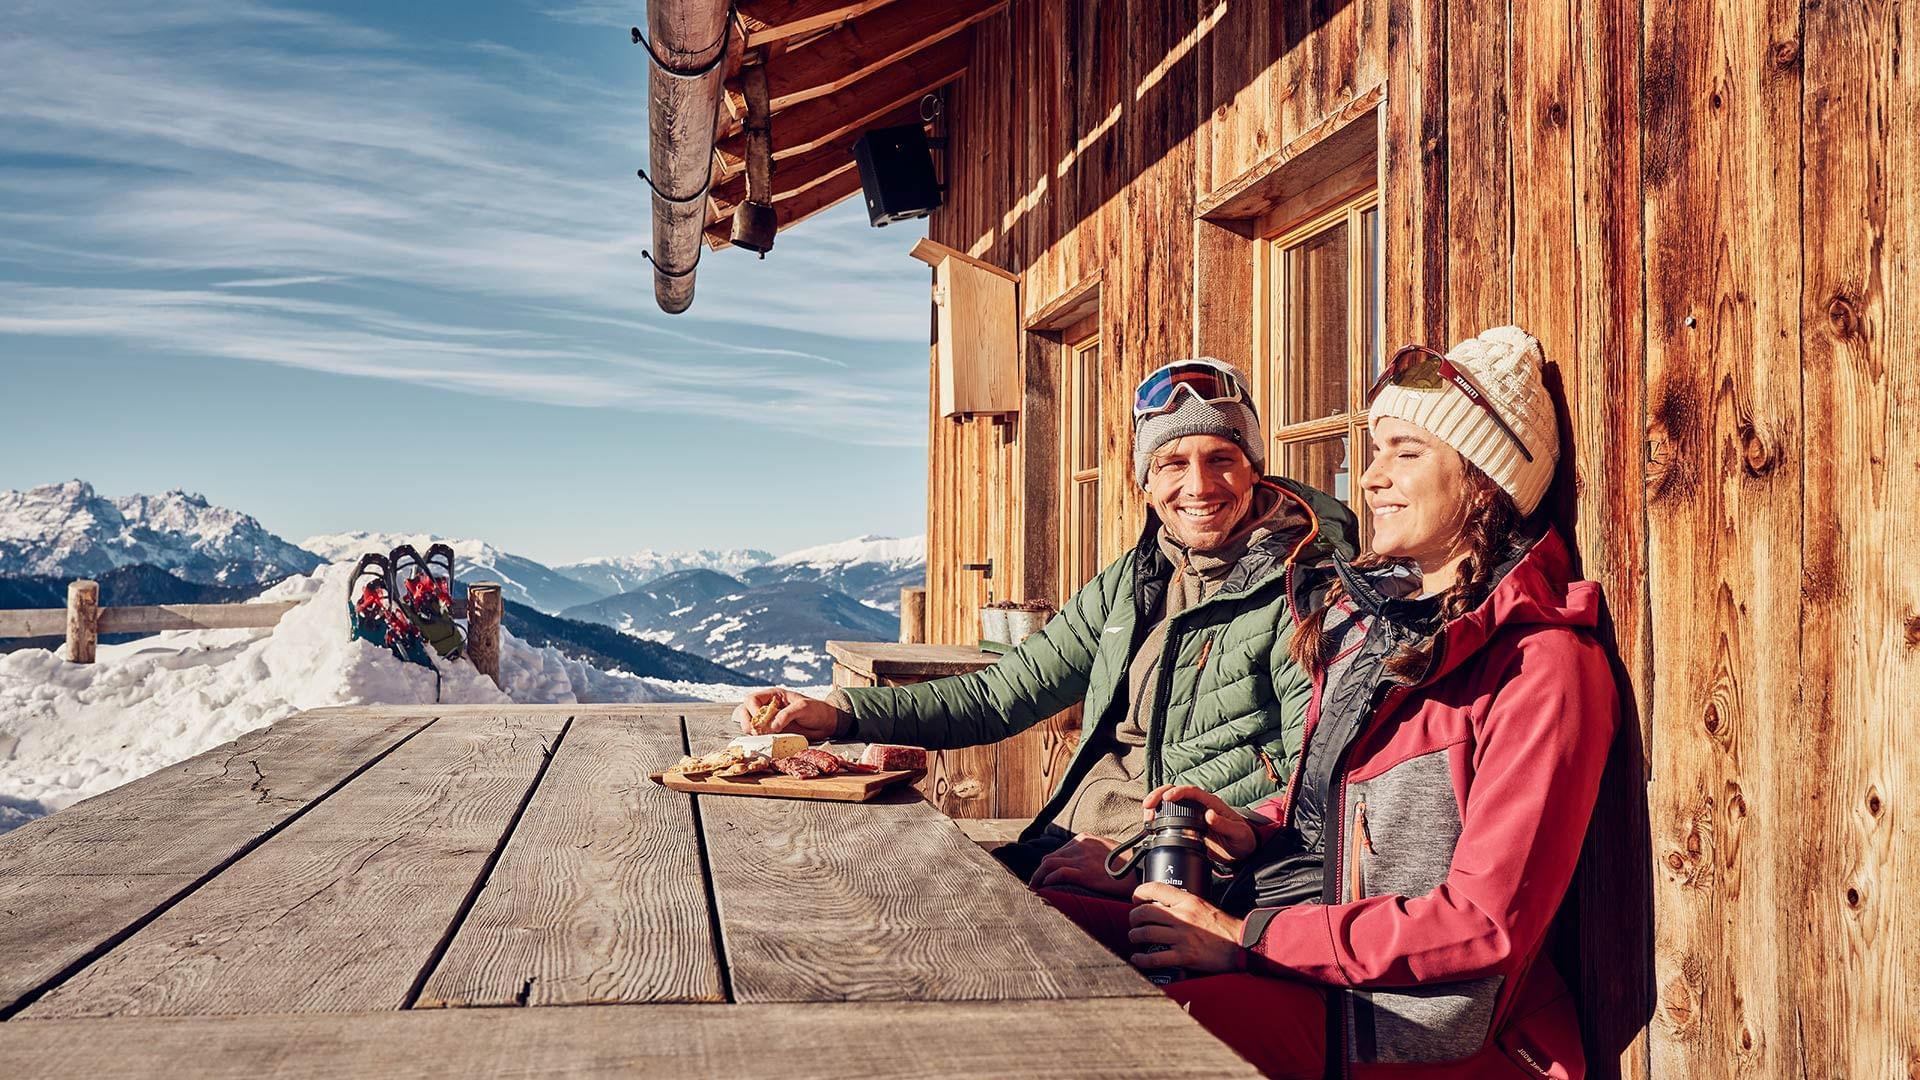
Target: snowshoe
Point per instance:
(426, 597)
(375, 617)
(367, 598)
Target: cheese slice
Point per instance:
(779, 744)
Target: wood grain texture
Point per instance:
(74, 880)
(1601, 501)
(883, 901)
(1730, 755)
(83, 621)
(896, 660)
(1858, 979)
(842, 787)
(1089, 1040)
(342, 910)
(598, 896)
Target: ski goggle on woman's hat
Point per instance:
(1420, 367)
(1208, 380)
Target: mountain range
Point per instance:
(69, 530)
(706, 616)
(775, 631)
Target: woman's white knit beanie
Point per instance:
(1506, 361)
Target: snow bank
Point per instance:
(68, 731)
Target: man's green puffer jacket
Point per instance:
(1231, 697)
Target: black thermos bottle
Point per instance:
(1173, 850)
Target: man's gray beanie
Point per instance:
(1233, 420)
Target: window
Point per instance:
(1080, 482)
(1323, 347)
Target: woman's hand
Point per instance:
(1230, 837)
(1082, 863)
(796, 713)
(1201, 937)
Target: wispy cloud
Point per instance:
(461, 215)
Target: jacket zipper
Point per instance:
(1362, 847)
(1165, 682)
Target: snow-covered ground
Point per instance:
(68, 731)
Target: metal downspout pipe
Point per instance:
(689, 48)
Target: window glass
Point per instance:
(1086, 495)
(1321, 463)
(1088, 361)
(1316, 326)
(1370, 344)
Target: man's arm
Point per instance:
(1045, 674)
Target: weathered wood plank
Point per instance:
(1413, 173)
(343, 909)
(882, 901)
(864, 45)
(1479, 189)
(73, 881)
(1603, 380)
(896, 660)
(1721, 168)
(1858, 980)
(1145, 1038)
(598, 896)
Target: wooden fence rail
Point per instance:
(83, 620)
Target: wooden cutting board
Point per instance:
(845, 787)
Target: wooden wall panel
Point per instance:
(1413, 173)
(1603, 382)
(1857, 978)
(1732, 773)
(1479, 190)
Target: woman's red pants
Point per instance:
(1277, 1024)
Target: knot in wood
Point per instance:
(1873, 803)
(1784, 54)
(1843, 316)
(1555, 114)
(1853, 897)
(1756, 458)
(1913, 631)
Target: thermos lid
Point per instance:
(1179, 814)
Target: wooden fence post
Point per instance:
(913, 616)
(83, 620)
(483, 628)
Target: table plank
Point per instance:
(896, 660)
(343, 909)
(599, 895)
(71, 882)
(881, 901)
(1119, 1039)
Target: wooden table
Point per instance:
(335, 894)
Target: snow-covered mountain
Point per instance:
(522, 580)
(775, 631)
(625, 573)
(871, 569)
(69, 530)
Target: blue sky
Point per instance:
(378, 266)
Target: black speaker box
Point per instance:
(896, 172)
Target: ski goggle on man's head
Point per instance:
(1209, 380)
(1420, 367)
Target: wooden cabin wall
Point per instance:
(1706, 212)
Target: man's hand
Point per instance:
(1201, 937)
(796, 713)
(1230, 837)
(1081, 863)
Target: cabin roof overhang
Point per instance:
(831, 70)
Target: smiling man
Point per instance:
(1177, 650)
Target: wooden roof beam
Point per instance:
(795, 209)
(796, 174)
(815, 123)
(864, 46)
(768, 21)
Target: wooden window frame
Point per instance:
(1276, 348)
(1076, 342)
